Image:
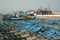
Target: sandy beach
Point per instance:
(49, 17)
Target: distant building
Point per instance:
(43, 12)
(39, 12)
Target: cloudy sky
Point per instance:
(17, 5)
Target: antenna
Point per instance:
(40, 6)
(49, 6)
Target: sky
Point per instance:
(7, 6)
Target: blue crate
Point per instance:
(57, 27)
(43, 29)
(35, 21)
(58, 34)
(26, 26)
(47, 33)
(54, 36)
(5, 24)
(15, 25)
(23, 27)
(49, 22)
(33, 29)
(40, 35)
(51, 30)
(57, 22)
